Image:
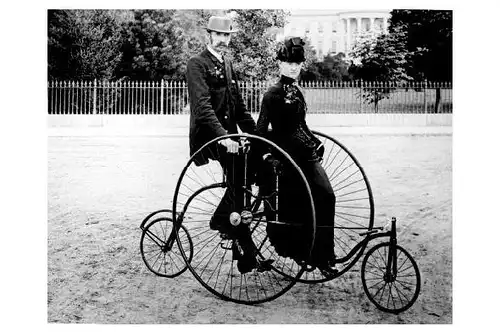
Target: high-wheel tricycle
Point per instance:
(181, 238)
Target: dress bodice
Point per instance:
(284, 108)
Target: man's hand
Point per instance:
(231, 146)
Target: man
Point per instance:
(217, 109)
(216, 104)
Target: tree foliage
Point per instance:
(253, 47)
(382, 59)
(83, 44)
(332, 68)
(159, 42)
(430, 38)
(154, 44)
(417, 47)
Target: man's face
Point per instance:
(219, 40)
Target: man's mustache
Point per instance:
(221, 44)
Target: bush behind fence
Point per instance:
(171, 97)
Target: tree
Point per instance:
(332, 68)
(253, 48)
(83, 44)
(189, 27)
(381, 59)
(429, 33)
(430, 36)
(146, 54)
(155, 44)
(336, 67)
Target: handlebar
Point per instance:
(390, 226)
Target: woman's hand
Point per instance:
(320, 151)
(273, 162)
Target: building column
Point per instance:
(348, 35)
(372, 24)
(358, 22)
(384, 24)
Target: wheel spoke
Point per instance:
(401, 293)
(337, 216)
(351, 215)
(342, 171)
(351, 184)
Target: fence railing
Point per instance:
(171, 97)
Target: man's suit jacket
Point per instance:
(216, 105)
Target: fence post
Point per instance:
(425, 97)
(437, 105)
(95, 97)
(183, 105)
(361, 96)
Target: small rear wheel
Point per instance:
(160, 251)
(393, 286)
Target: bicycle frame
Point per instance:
(369, 235)
(254, 202)
(372, 235)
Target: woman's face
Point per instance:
(290, 69)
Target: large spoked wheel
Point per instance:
(354, 208)
(160, 250)
(391, 280)
(250, 235)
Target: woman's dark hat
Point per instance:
(292, 50)
(220, 24)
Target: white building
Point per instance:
(333, 31)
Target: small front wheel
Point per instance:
(391, 280)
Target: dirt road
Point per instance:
(100, 189)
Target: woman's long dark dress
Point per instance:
(284, 107)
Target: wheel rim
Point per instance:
(160, 258)
(390, 292)
(159, 213)
(199, 191)
(354, 208)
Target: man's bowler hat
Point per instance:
(220, 24)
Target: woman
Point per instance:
(284, 107)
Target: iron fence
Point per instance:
(171, 97)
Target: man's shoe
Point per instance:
(246, 264)
(328, 271)
(246, 260)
